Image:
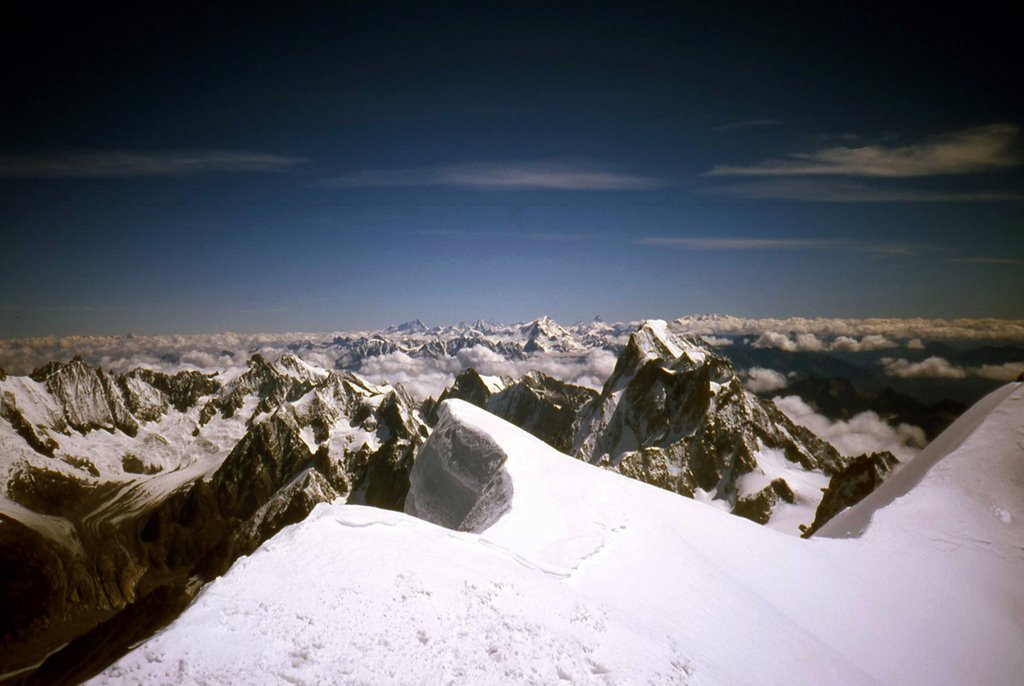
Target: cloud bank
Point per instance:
(761, 380)
(939, 368)
(863, 433)
(932, 367)
(891, 328)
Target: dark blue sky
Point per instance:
(241, 167)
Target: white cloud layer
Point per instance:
(940, 368)
(891, 328)
(863, 433)
(802, 342)
(831, 190)
(1001, 372)
(979, 149)
(932, 367)
(421, 376)
(761, 380)
(867, 343)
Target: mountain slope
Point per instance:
(675, 414)
(589, 577)
(119, 488)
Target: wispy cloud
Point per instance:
(832, 191)
(536, 236)
(749, 124)
(706, 243)
(979, 149)
(123, 164)
(501, 176)
(986, 260)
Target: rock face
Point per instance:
(122, 492)
(459, 481)
(472, 387)
(543, 405)
(674, 414)
(851, 485)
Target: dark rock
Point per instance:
(133, 464)
(852, 484)
(674, 414)
(542, 405)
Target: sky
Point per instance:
(249, 167)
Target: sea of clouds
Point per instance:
(423, 377)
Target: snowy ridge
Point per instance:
(965, 461)
(593, 578)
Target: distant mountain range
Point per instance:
(121, 494)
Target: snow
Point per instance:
(659, 327)
(494, 384)
(590, 577)
(806, 486)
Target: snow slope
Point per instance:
(589, 577)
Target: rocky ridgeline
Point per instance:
(543, 405)
(675, 415)
(92, 543)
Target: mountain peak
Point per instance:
(546, 335)
(655, 340)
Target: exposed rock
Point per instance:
(39, 440)
(542, 405)
(133, 464)
(851, 485)
(472, 387)
(111, 551)
(545, 335)
(89, 397)
(675, 414)
(758, 507)
(458, 480)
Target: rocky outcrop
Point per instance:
(849, 486)
(90, 398)
(37, 438)
(459, 480)
(542, 405)
(471, 387)
(676, 415)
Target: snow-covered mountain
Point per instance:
(115, 488)
(122, 493)
(548, 569)
(675, 414)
